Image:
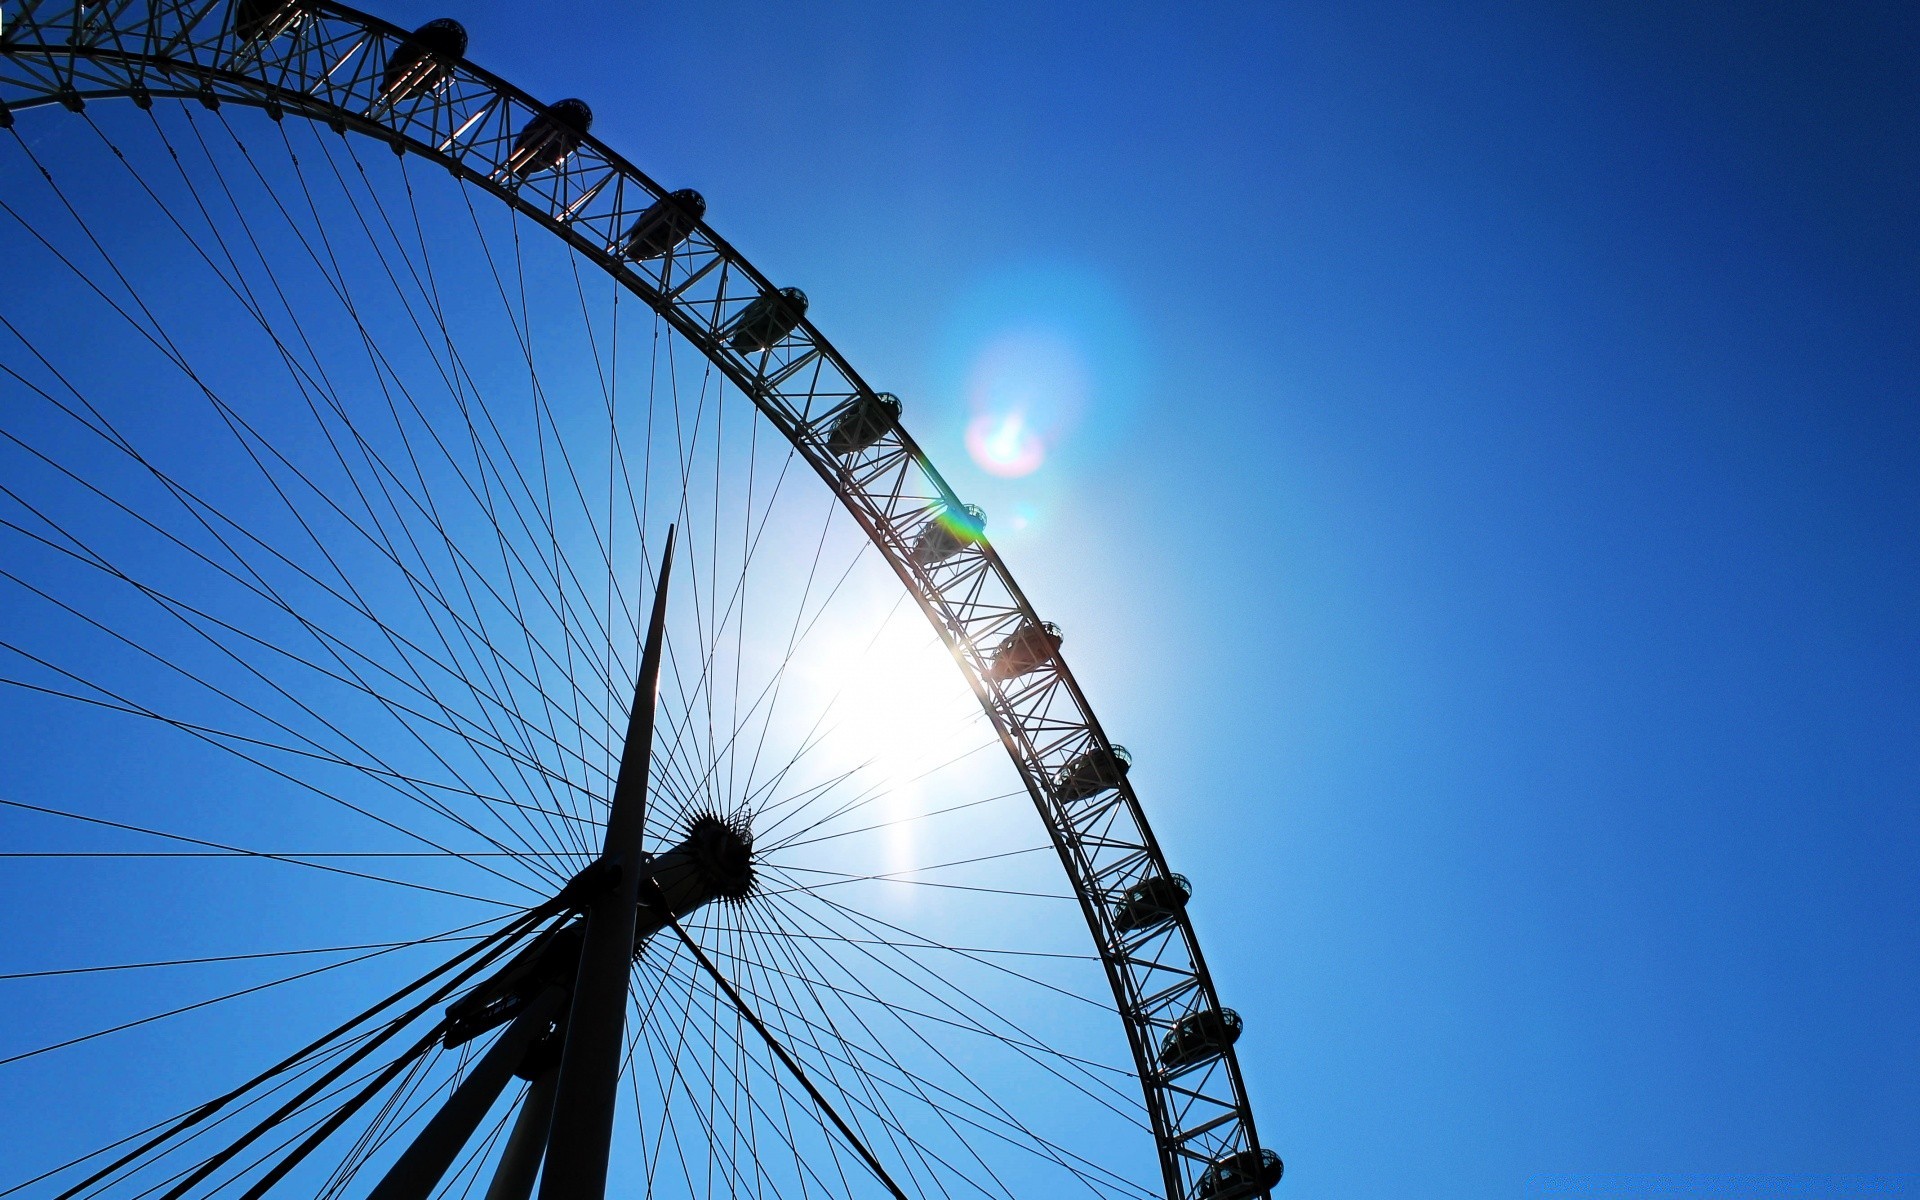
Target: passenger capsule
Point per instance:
(949, 532)
(549, 137)
(665, 224)
(1240, 1176)
(1094, 772)
(423, 58)
(264, 20)
(1026, 649)
(768, 319)
(1152, 902)
(1199, 1038)
(873, 416)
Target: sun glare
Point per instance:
(898, 710)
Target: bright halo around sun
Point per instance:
(897, 712)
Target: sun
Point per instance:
(896, 712)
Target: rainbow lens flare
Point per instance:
(967, 522)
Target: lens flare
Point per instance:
(1046, 359)
(967, 523)
(1004, 444)
(1026, 387)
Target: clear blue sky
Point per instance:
(1497, 541)
(1478, 481)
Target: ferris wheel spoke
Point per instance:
(902, 875)
(880, 927)
(876, 792)
(478, 1157)
(485, 462)
(693, 1089)
(950, 1107)
(964, 1009)
(193, 1120)
(150, 330)
(795, 841)
(738, 722)
(849, 1057)
(694, 788)
(858, 1139)
(853, 988)
(771, 691)
(316, 866)
(672, 1081)
(292, 859)
(229, 958)
(896, 1008)
(902, 878)
(294, 699)
(462, 569)
(692, 987)
(722, 1076)
(23, 1055)
(345, 1050)
(752, 795)
(768, 931)
(198, 620)
(381, 771)
(331, 642)
(403, 1105)
(308, 1119)
(227, 739)
(543, 423)
(81, 552)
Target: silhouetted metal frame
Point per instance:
(328, 67)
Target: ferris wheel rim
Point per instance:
(94, 53)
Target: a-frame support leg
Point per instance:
(519, 1163)
(582, 1127)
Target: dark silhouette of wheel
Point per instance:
(345, 417)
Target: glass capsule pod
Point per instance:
(1199, 1038)
(264, 20)
(422, 59)
(1026, 649)
(549, 137)
(667, 222)
(865, 422)
(768, 319)
(1151, 902)
(949, 532)
(1240, 1176)
(1091, 773)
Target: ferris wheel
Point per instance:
(479, 683)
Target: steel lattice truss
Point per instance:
(328, 66)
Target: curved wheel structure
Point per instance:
(337, 67)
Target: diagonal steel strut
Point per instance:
(786, 1060)
(583, 1103)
